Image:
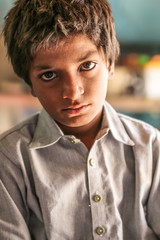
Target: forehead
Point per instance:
(77, 47)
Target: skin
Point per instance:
(70, 81)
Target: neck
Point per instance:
(87, 133)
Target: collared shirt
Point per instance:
(53, 188)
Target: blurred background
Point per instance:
(135, 88)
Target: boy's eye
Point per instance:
(87, 66)
(48, 76)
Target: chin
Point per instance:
(74, 123)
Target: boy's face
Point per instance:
(71, 81)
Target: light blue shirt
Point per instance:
(52, 187)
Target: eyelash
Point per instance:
(92, 64)
(44, 78)
(89, 66)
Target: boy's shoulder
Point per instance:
(138, 129)
(23, 130)
(135, 122)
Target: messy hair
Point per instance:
(32, 24)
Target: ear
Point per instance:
(111, 70)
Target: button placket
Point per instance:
(103, 207)
(95, 196)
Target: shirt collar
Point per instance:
(116, 126)
(47, 131)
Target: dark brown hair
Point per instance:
(32, 24)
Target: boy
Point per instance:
(78, 170)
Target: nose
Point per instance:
(72, 87)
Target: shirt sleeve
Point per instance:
(153, 209)
(13, 209)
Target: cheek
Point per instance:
(97, 91)
(43, 95)
(102, 83)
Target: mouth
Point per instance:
(73, 110)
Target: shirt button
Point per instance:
(91, 162)
(100, 231)
(97, 198)
(73, 140)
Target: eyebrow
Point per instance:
(42, 67)
(87, 55)
(80, 59)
